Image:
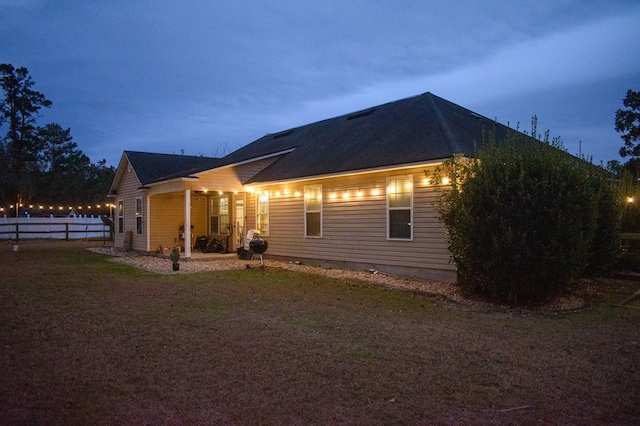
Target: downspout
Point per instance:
(187, 223)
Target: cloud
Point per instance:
(201, 75)
(586, 54)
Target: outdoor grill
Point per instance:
(253, 246)
(258, 245)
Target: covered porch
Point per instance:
(212, 204)
(182, 219)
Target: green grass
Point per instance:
(88, 341)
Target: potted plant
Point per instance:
(175, 258)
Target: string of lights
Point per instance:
(55, 208)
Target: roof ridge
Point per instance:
(442, 124)
(345, 115)
(170, 155)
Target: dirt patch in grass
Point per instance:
(87, 341)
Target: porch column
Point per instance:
(147, 220)
(187, 223)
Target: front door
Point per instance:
(239, 223)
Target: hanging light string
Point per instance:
(51, 208)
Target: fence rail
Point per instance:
(67, 228)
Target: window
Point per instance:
(139, 215)
(120, 216)
(313, 210)
(219, 209)
(262, 212)
(399, 208)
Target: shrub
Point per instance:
(605, 248)
(629, 199)
(521, 220)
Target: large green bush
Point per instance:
(629, 199)
(522, 220)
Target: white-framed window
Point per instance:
(120, 214)
(313, 211)
(139, 216)
(262, 212)
(400, 208)
(219, 216)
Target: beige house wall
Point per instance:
(128, 192)
(229, 178)
(354, 225)
(166, 216)
(163, 205)
(354, 219)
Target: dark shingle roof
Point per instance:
(152, 167)
(412, 130)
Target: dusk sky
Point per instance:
(207, 77)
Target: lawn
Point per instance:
(84, 340)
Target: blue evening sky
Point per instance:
(206, 77)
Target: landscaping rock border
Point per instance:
(161, 265)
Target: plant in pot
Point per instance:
(175, 258)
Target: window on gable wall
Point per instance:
(400, 208)
(262, 212)
(120, 216)
(313, 210)
(139, 215)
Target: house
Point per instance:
(349, 191)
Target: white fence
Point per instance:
(63, 228)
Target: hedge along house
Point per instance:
(350, 191)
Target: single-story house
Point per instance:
(349, 191)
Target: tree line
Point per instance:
(42, 163)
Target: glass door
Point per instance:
(239, 228)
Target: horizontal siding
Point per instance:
(166, 203)
(167, 214)
(128, 192)
(229, 179)
(355, 228)
(199, 218)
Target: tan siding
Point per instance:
(251, 211)
(166, 209)
(167, 214)
(199, 216)
(249, 170)
(229, 179)
(355, 228)
(128, 192)
(167, 187)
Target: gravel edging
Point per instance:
(161, 265)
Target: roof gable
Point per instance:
(152, 167)
(418, 129)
